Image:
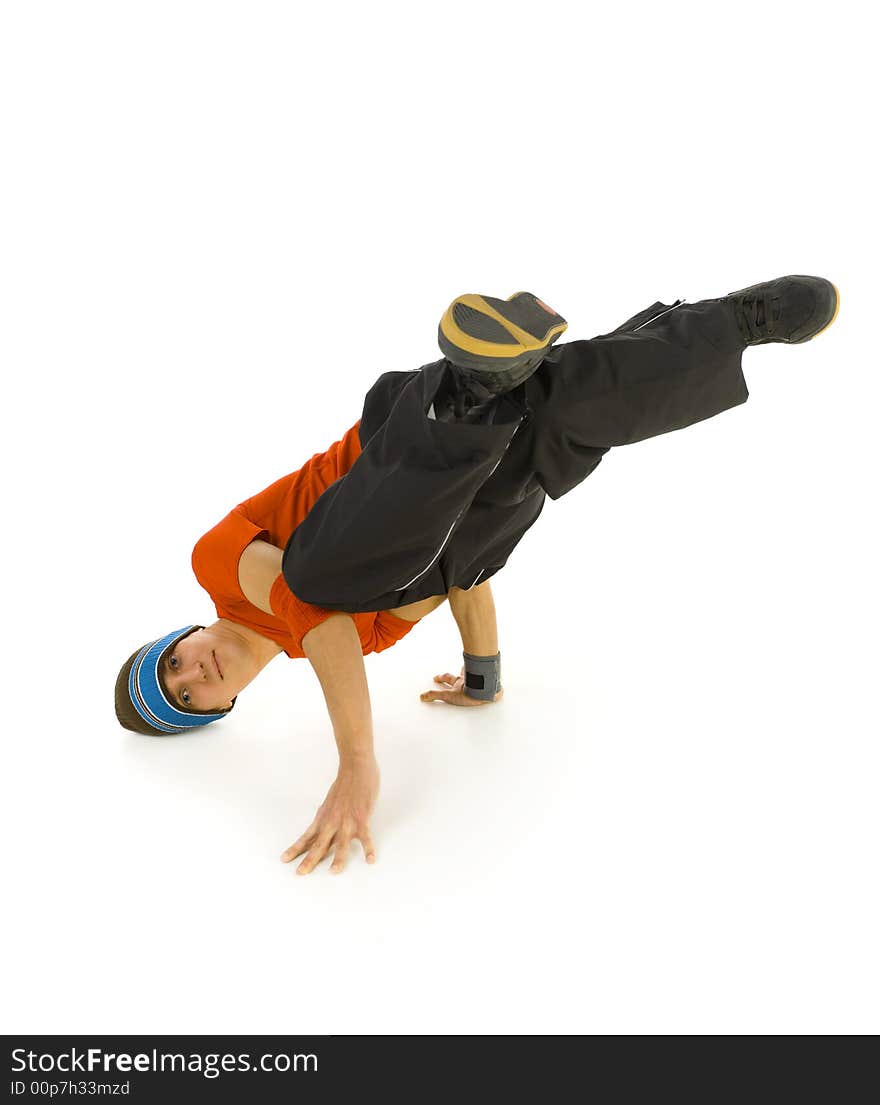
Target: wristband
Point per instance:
(482, 676)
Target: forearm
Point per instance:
(334, 651)
(474, 613)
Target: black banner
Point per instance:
(266, 1068)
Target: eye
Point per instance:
(184, 697)
(172, 661)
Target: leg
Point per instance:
(662, 370)
(665, 368)
(424, 509)
(415, 611)
(373, 539)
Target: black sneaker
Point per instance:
(792, 309)
(498, 343)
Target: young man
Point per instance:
(425, 498)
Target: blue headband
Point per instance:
(148, 697)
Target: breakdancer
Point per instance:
(424, 499)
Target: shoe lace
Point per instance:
(757, 315)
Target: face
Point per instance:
(206, 670)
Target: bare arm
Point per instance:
(474, 613)
(334, 651)
(258, 569)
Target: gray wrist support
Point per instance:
(482, 676)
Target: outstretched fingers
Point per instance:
(369, 847)
(340, 855)
(343, 847)
(343, 817)
(318, 847)
(315, 854)
(438, 696)
(301, 845)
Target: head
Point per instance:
(177, 682)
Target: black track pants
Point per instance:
(429, 505)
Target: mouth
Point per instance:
(216, 665)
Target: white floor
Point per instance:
(670, 824)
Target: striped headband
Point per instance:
(148, 696)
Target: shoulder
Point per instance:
(216, 554)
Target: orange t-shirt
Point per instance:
(273, 514)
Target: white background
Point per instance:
(212, 214)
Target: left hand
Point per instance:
(455, 693)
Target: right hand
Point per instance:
(344, 816)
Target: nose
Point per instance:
(196, 672)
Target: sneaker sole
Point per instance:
(496, 337)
